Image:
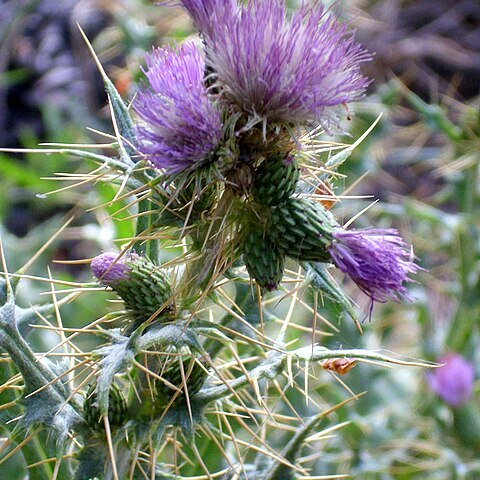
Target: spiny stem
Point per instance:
(271, 367)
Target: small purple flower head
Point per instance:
(180, 124)
(109, 269)
(276, 67)
(377, 260)
(452, 382)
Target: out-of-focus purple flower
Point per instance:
(452, 382)
(280, 68)
(377, 260)
(109, 269)
(180, 124)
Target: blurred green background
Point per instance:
(420, 161)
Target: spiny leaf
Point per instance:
(116, 358)
(169, 335)
(121, 113)
(322, 282)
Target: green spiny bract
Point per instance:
(147, 292)
(275, 180)
(195, 194)
(263, 260)
(173, 368)
(301, 229)
(117, 408)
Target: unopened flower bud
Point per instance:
(264, 262)
(181, 364)
(109, 268)
(117, 408)
(275, 180)
(142, 285)
(301, 229)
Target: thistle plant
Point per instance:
(219, 159)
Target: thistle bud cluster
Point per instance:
(231, 116)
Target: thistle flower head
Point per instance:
(452, 382)
(180, 124)
(198, 10)
(280, 68)
(377, 260)
(203, 11)
(109, 268)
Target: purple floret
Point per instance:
(277, 67)
(109, 269)
(452, 382)
(377, 260)
(180, 124)
(203, 12)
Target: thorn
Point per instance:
(111, 452)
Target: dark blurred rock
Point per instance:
(39, 41)
(433, 46)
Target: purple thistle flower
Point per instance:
(180, 124)
(278, 68)
(109, 269)
(452, 382)
(203, 12)
(377, 260)
(199, 10)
